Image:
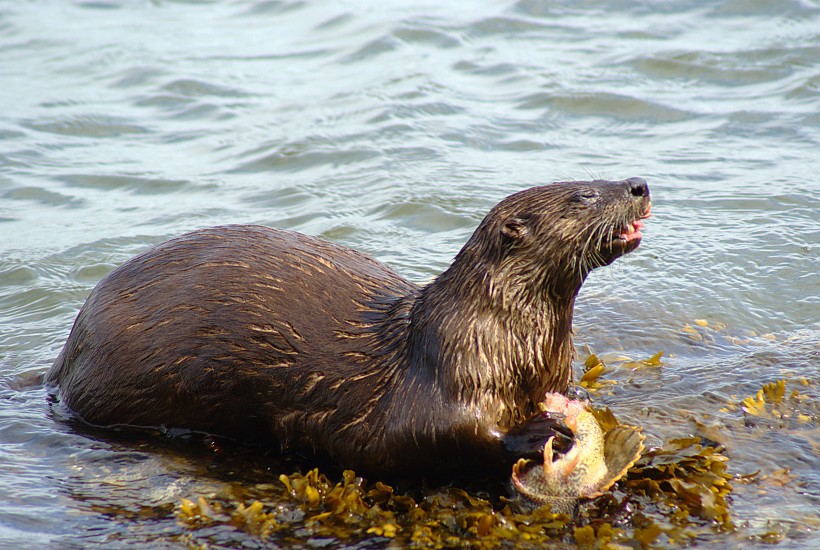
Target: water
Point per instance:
(393, 128)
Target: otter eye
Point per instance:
(587, 195)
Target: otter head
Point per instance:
(548, 239)
(502, 312)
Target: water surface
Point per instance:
(393, 128)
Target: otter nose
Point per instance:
(638, 187)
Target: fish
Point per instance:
(595, 461)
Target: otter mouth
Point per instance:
(628, 237)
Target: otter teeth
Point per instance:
(631, 230)
(633, 226)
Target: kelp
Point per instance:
(311, 505)
(595, 367)
(673, 493)
(690, 478)
(701, 331)
(776, 406)
(685, 478)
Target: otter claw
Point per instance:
(548, 454)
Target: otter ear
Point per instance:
(515, 228)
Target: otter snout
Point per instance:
(638, 187)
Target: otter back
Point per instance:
(223, 330)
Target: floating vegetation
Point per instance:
(672, 494)
(654, 361)
(692, 478)
(595, 367)
(774, 405)
(702, 331)
(767, 400)
(251, 519)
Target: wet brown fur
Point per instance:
(276, 337)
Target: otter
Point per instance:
(278, 338)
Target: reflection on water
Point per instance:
(393, 129)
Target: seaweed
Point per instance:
(688, 477)
(311, 505)
(673, 494)
(595, 367)
(774, 406)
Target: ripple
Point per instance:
(605, 104)
(93, 126)
(427, 36)
(191, 100)
(779, 8)
(137, 77)
(299, 156)
(16, 275)
(420, 214)
(725, 68)
(91, 274)
(335, 22)
(10, 134)
(415, 110)
(495, 69)
(134, 184)
(198, 88)
(42, 196)
(373, 49)
(270, 7)
(503, 25)
(806, 89)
